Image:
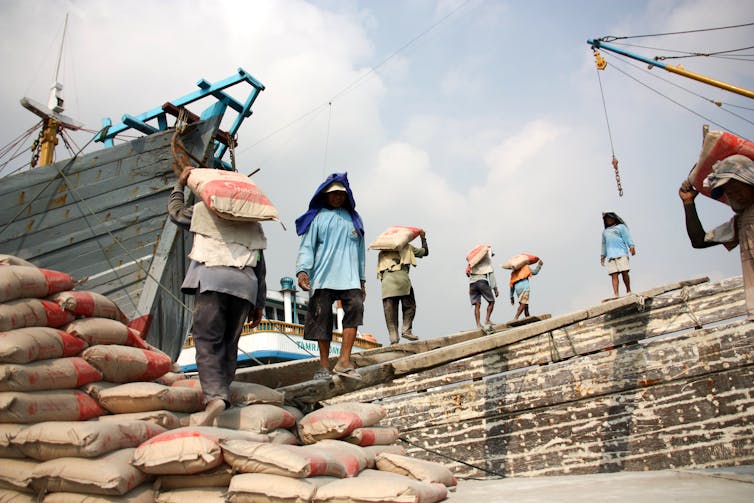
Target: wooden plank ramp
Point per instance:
(663, 379)
(435, 352)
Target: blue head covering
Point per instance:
(319, 201)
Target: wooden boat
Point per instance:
(656, 380)
(103, 215)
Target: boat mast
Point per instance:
(49, 137)
(678, 70)
(53, 121)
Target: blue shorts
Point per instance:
(479, 289)
(319, 318)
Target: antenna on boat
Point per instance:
(52, 119)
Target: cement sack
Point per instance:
(338, 421)
(23, 313)
(260, 418)
(372, 486)
(188, 450)
(276, 459)
(516, 262)
(419, 469)
(12, 496)
(477, 254)
(231, 195)
(126, 364)
(7, 432)
(142, 494)
(82, 439)
(295, 411)
(195, 495)
(371, 451)
(217, 477)
(93, 389)
(13, 260)
(163, 418)
(283, 436)
(374, 435)
(58, 373)
(352, 457)
(104, 331)
(242, 393)
(38, 406)
(18, 281)
(150, 396)
(264, 487)
(111, 474)
(170, 378)
(26, 345)
(14, 473)
(395, 238)
(717, 145)
(89, 305)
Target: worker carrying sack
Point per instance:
(231, 195)
(717, 145)
(477, 254)
(395, 238)
(516, 262)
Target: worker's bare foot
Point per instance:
(211, 411)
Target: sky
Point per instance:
(480, 121)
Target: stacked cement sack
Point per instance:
(91, 413)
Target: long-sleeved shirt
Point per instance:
(247, 283)
(395, 280)
(616, 241)
(332, 252)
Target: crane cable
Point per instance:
(601, 64)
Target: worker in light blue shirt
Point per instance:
(617, 244)
(331, 265)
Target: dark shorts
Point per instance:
(320, 319)
(479, 289)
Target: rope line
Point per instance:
(610, 135)
(705, 54)
(677, 103)
(611, 38)
(717, 103)
(327, 139)
(486, 470)
(360, 78)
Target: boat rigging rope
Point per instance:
(486, 470)
(706, 119)
(720, 104)
(327, 138)
(600, 67)
(611, 38)
(81, 203)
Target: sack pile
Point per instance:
(89, 412)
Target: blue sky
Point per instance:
(487, 128)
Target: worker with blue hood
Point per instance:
(331, 266)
